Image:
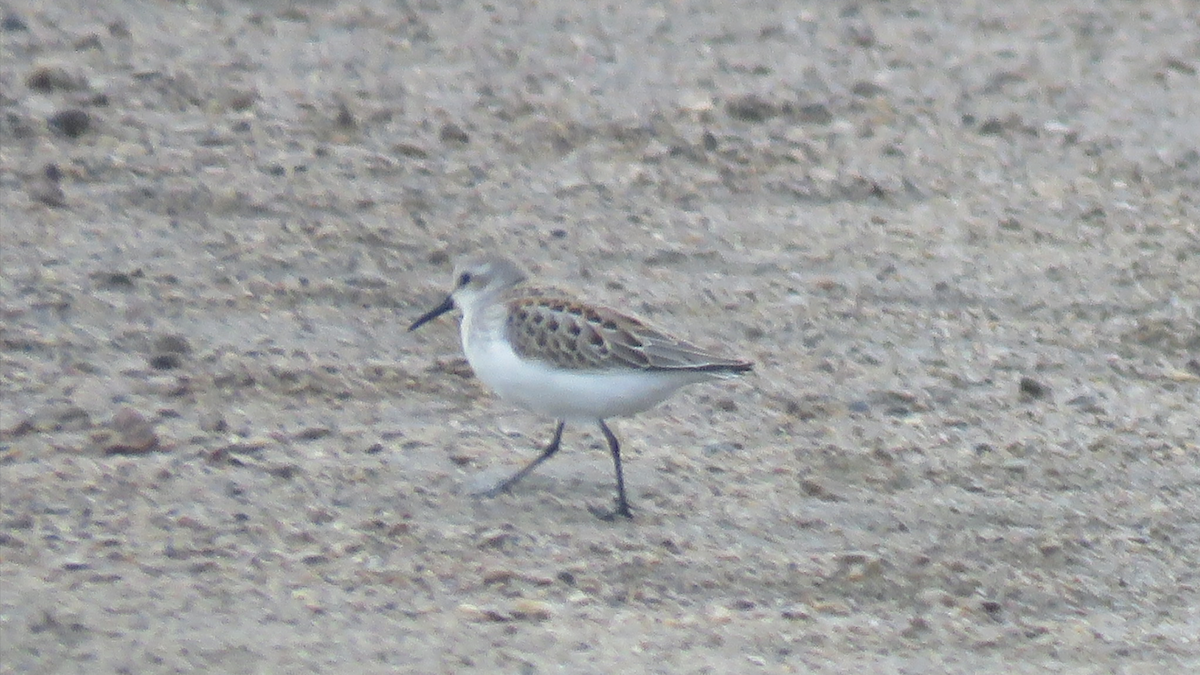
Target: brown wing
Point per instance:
(570, 334)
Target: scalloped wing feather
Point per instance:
(559, 330)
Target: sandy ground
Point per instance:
(960, 241)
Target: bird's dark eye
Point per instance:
(464, 279)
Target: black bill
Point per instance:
(446, 306)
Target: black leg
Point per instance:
(506, 484)
(622, 503)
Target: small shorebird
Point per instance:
(567, 359)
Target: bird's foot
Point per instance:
(622, 509)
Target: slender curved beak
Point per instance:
(446, 306)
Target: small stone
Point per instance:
(813, 488)
(722, 448)
(867, 89)
(472, 612)
(861, 35)
(47, 188)
(71, 122)
(117, 280)
(832, 607)
(64, 417)
(13, 22)
(1030, 388)
(345, 118)
(49, 78)
(410, 150)
(494, 538)
(499, 575)
(213, 422)
(165, 361)
(241, 99)
(916, 627)
(313, 433)
(991, 127)
(532, 610)
(696, 101)
(992, 609)
(284, 471)
(814, 113)
(796, 612)
(172, 344)
(89, 41)
(129, 433)
(720, 614)
(452, 133)
(751, 108)
(463, 456)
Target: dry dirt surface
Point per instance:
(959, 240)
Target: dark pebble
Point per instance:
(867, 89)
(132, 434)
(345, 118)
(751, 108)
(452, 133)
(314, 433)
(859, 407)
(1031, 388)
(410, 150)
(91, 41)
(284, 471)
(71, 123)
(13, 22)
(117, 280)
(51, 78)
(991, 127)
(48, 190)
(165, 361)
(722, 447)
(814, 113)
(172, 344)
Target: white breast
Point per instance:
(570, 395)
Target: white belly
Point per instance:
(571, 395)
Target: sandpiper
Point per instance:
(567, 359)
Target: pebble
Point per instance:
(71, 122)
(1030, 388)
(48, 78)
(796, 612)
(47, 187)
(452, 133)
(751, 108)
(720, 614)
(129, 433)
(535, 610)
(13, 22)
